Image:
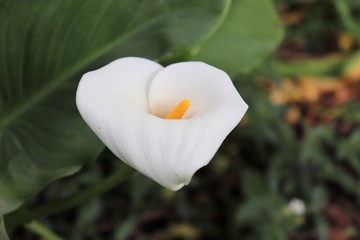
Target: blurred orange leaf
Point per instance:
(315, 98)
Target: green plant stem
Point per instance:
(343, 8)
(23, 216)
(43, 231)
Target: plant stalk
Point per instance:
(41, 230)
(23, 216)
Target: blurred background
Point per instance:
(290, 170)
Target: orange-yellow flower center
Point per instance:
(179, 111)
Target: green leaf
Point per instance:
(3, 234)
(249, 33)
(45, 47)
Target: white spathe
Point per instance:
(125, 103)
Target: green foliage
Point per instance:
(244, 39)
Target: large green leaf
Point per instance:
(45, 47)
(248, 34)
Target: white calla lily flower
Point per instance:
(164, 122)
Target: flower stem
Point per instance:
(22, 216)
(43, 231)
